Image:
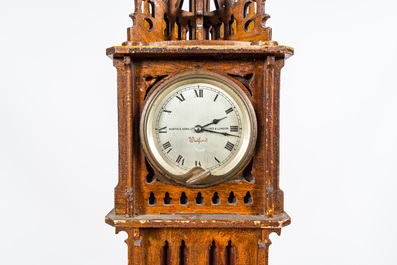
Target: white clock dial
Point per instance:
(198, 130)
(186, 132)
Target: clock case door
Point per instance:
(255, 190)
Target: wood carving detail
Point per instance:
(246, 175)
(202, 246)
(150, 82)
(232, 199)
(150, 177)
(245, 79)
(208, 246)
(160, 20)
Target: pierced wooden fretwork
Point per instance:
(152, 201)
(183, 200)
(213, 254)
(232, 199)
(248, 199)
(157, 21)
(183, 254)
(167, 199)
(216, 200)
(150, 175)
(165, 254)
(199, 199)
(207, 246)
(230, 254)
(246, 175)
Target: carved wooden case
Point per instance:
(254, 191)
(225, 224)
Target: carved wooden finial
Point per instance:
(171, 20)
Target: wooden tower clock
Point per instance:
(198, 107)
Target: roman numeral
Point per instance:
(168, 111)
(179, 159)
(163, 130)
(199, 93)
(216, 159)
(166, 145)
(229, 146)
(180, 97)
(229, 110)
(216, 97)
(234, 128)
(169, 150)
(198, 163)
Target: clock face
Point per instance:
(198, 129)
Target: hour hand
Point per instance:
(214, 121)
(223, 133)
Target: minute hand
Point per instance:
(223, 133)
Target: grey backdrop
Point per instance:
(58, 134)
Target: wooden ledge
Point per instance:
(198, 221)
(216, 51)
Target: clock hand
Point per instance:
(214, 121)
(223, 133)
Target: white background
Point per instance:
(58, 134)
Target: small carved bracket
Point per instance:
(150, 81)
(245, 80)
